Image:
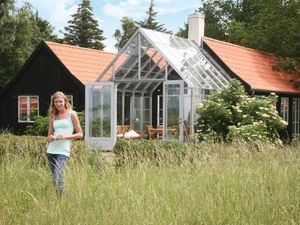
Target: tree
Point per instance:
(122, 36)
(128, 26)
(7, 27)
(269, 25)
(83, 28)
(231, 114)
(45, 28)
(19, 36)
(150, 22)
(184, 31)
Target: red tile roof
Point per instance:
(84, 63)
(252, 66)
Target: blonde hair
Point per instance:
(52, 108)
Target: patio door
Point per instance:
(173, 110)
(100, 115)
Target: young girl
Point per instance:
(62, 122)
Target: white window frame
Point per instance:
(70, 99)
(284, 108)
(296, 118)
(28, 108)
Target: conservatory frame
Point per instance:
(152, 65)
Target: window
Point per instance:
(296, 118)
(70, 99)
(28, 108)
(284, 109)
(159, 109)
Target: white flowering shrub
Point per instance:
(232, 114)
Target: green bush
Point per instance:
(40, 126)
(232, 114)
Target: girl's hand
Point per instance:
(61, 137)
(50, 138)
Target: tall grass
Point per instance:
(208, 184)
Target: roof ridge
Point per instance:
(78, 47)
(240, 46)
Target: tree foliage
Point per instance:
(150, 21)
(231, 114)
(266, 25)
(83, 30)
(183, 31)
(122, 36)
(129, 26)
(21, 31)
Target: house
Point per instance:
(156, 79)
(163, 77)
(255, 70)
(51, 67)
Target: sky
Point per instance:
(171, 13)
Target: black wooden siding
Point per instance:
(41, 75)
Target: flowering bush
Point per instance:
(232, 114)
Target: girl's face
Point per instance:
(59, 103)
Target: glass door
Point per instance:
(173, 110)
(100, 115)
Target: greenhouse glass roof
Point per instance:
(151, 57)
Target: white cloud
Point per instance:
(57, 12)
(130, 8)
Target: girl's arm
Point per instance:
(78, 131)
(50, 136)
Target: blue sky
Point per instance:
(172, 13)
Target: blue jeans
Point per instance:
(57, 165)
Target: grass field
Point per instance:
(235, 184)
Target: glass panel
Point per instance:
(100, 111)
(23, 114)
(160, 110)
(146, 113)
(70, 99)
(119, 108)
(137, 113)
(23, 108)
(296, 118)
(284, 109)
(23, 102)
(173, 113)
(187, 107)
(127, 110)
(188, 60)
(34, 106)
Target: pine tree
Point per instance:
(150, 22)
(183, 31)
(45, 28)
(83, 28)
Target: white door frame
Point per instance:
(105, 143)
(165, 102)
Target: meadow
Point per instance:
(152, 183)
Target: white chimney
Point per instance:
(196, 27)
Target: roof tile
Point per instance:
(84, 63)
(252, 66)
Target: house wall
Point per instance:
(42, 75)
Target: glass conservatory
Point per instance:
(150, 90)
